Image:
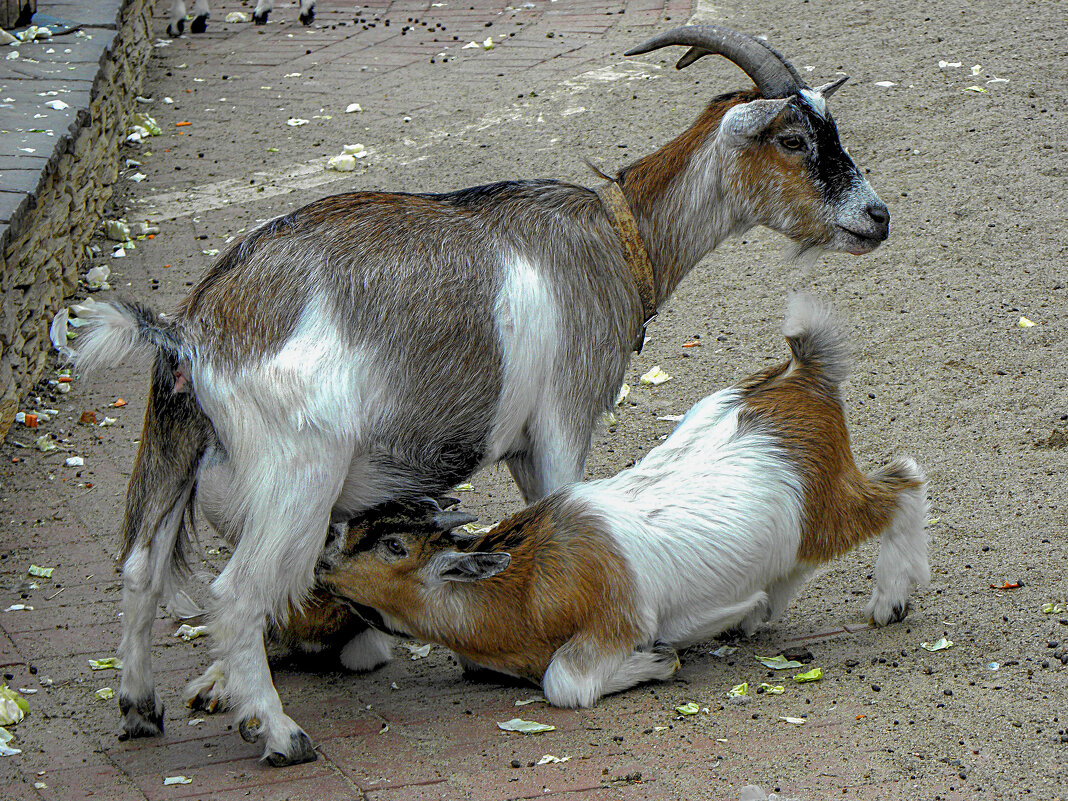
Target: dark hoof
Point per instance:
(899, 613)
(300, 750)
(250, 729)
(200, 24)
(309, 18)
(260, 19)
(143, 718)
(176, 30)
(667, 654)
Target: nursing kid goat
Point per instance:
(589, 590)
(378, 346)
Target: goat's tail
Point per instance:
(119, 330)
(816, 339)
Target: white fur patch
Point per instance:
(528, 329)
(707, 520)
(815, 102)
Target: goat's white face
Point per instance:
(795, 177)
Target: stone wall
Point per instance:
(43, 250)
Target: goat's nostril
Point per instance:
(879, 213)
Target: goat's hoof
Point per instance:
(176, 29)
(300, 750)
(667, 654)
(250, 729)
(260, 19)
(142, 718)
(309, 17)
(200, 24)
(896, 614)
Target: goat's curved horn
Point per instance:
(772, 74)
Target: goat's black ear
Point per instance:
(447, 521)
(455, 566)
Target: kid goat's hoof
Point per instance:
(200, 24)
(300, 750)
(143, 718)
(308, 17)
(260, 19)
(175, 30)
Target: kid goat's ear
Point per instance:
(456, 566)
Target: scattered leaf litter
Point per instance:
(169, 780)
(105, 693)
(238, 16)
(352, 108)
(525, 726)
(938, 645)
(13, 707)
(536, 699)
(107, 663)
(655, 376)
(795, 721)
(40, 572)
(810, 675)
(771, 689)
(688, 709)
(296, 122)
(885, 84)
(723, 651)
(779, 662)
(1054, 609)
(418, 651)
(1023, 322)
(739, 690)
(19, 608)
(549, 759)
(187, 632)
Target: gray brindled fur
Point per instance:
(375, 346)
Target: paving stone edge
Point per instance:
(43, 249)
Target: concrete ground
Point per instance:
(969, 159)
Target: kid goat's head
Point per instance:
(779, 147)
(389, 557)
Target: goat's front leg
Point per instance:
(287, 498)
(201, 12)
(555, 454)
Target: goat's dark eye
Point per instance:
(792, 142)
(395, 547)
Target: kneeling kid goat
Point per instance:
(377, 346)
(589, 590)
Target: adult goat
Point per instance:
(375, 346)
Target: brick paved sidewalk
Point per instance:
(436, 116)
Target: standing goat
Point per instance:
(589, 590)
(372, 346)
(201, 12)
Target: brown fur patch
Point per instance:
(778, 187)
(842, 506)
(647, 179)
(323, 619)
(565, 579)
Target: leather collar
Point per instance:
(637, 257)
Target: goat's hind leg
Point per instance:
(263, 8)
(176, 27)
(581, 672)
(147, 574)
(902, 559)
